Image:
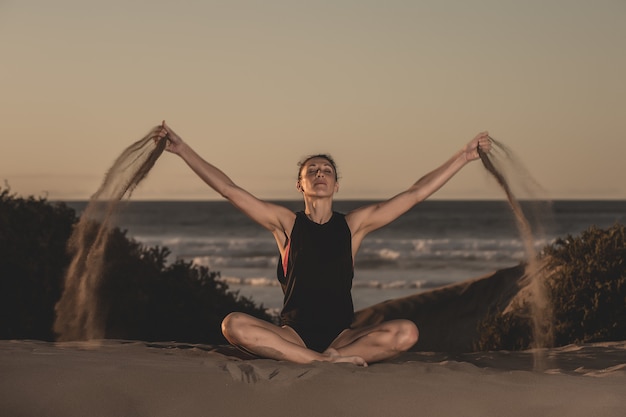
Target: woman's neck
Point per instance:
(318, 210)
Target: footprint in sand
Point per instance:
(252, 374)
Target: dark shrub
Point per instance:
(586, 284)
(143, 297)
(33, 234)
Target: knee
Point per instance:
(407, 335)
(233, 326)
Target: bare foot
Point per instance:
(334, 357)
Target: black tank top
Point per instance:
(317, 281)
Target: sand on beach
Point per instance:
(441, 377)
(134, 378)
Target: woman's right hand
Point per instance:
(174, 142)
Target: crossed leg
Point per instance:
(267, 340)
(377, 342)
(358, 346)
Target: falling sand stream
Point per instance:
(537, 301)
(80, 317)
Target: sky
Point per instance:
(391, 89)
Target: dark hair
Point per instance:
(320, 155)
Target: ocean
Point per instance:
(434, 244)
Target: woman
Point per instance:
(317, 247)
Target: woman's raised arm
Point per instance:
(369, 218)
(273, 217)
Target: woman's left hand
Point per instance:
(482, 141)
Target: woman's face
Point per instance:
(318, 177)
